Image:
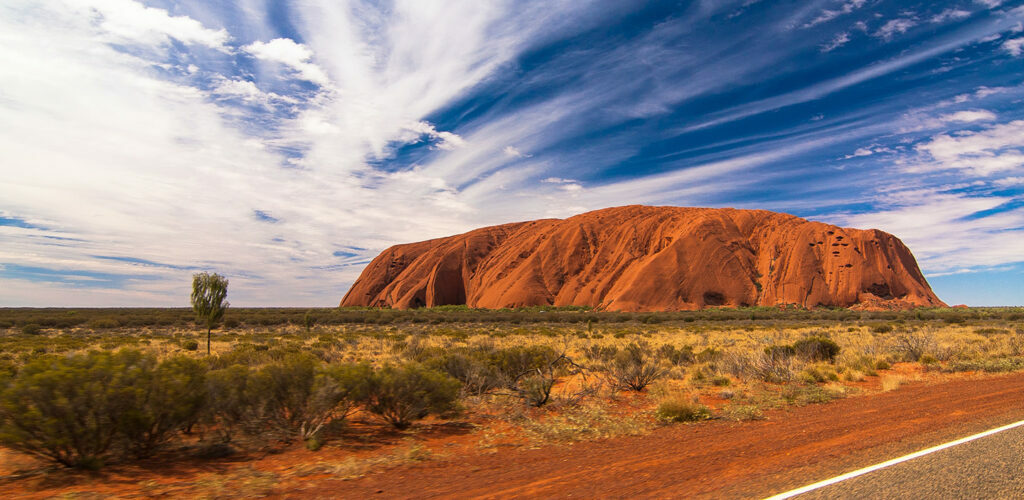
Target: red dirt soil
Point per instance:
(640, 258)
(717, 459)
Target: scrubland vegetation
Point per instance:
(85, 388)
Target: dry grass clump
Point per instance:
(742, 412)
(353, 467)
(892, 382)
(583, 422)
(682, 409)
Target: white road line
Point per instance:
(858, 472)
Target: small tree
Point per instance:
(209, 292)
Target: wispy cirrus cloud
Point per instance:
(843, 8)
(895, 27)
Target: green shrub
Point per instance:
(31, 329)
(233, 402)
(301, 396)
(103, 323)
(309, 320)
(162, 400)
(816, 349)
(634, 368)
(882, 365)
(881, 328)
(68, 409)
(472, 369)
(814, 375)
(190, 345)
(403, 394)
(515, 363)
(679, 409)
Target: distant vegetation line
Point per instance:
(101, 318)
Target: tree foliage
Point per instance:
(209, 301)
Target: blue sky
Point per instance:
(284, 143)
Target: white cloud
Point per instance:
(1009, 181)
(827, 15)
(514, 152)
(990, 3)
(894, 27)
(979, 93)
(294, 55)
(984, 92)
(248, 92)
(968, 116)
(860, 152)
(1014, 46)
(986, 152)
(868, 151)
(838, 41)
(950, 15)
(923, 118)
(445, 140)
(131, 21)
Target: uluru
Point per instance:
(646, 258)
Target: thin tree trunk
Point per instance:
(208, 340)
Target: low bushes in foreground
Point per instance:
(75, 410)
(82, 410)
(404, 394)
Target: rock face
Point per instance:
(640, 258)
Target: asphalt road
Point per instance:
(988, 467)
